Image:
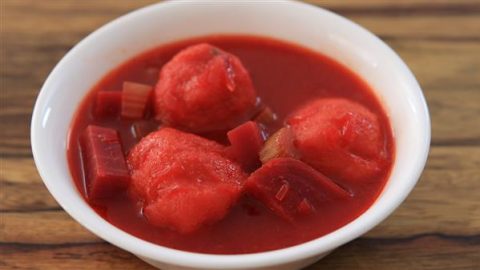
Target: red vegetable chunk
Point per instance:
(204, 89)
(340, 138)
(246, 142)
(184, 180)
(135, 99)
(106, 172)
(108, 104)
(292, 189)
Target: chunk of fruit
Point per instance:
(135, 99)
(184, 180)
(108, 104)
(246, 142)
(204, 89)
(340, 138)
(105, 169)
(280, 144)
(291, 188)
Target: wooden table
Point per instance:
(438, 227)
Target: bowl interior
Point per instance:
(299, 23)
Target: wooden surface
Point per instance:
(438, 227)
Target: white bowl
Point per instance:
(299, 23)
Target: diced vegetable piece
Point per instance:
(135, 98)
(141, 129)
(280, 144)
(291, 188)
(266, 116)
(246, 142)
(104, 165)
(108, 104)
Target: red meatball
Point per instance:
(183, 180)
(340, 138)
(204, 89)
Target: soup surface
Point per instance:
(286, 78)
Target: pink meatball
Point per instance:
(340, 138)
(183, 180)
(204, 89)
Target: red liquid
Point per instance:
(285, 77)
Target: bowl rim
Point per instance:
(156, 252)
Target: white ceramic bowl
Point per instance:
(299, 23)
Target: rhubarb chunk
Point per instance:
(183, 180)
(291, 188)
(135, 99)
(105, 168)
(204, 89)
(108, 104)
(280, 144)
(246, 142)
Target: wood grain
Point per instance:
(69, 256)
(437, 227)
(431, 251)
(37, 229)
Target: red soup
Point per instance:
(230, 145)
